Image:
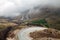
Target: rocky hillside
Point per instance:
(52, 16)
(49, 13)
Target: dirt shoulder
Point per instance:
(47, 34)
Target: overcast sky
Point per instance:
(14, 7)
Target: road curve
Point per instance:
(24, 33)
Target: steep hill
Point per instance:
(51, 15)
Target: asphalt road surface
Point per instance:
(24, 33)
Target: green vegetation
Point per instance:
(42, 22)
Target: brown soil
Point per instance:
(47, 34)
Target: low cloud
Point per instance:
(14, 7)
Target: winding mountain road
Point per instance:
(24, 33)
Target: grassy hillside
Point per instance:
(41, 22)
(50, 14)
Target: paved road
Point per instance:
(24, 33)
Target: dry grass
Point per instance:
(45, 34)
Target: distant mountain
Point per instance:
(51, 14)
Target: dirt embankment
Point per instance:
(47, 34)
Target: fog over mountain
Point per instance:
(16, 7)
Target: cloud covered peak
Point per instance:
(14, 7)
